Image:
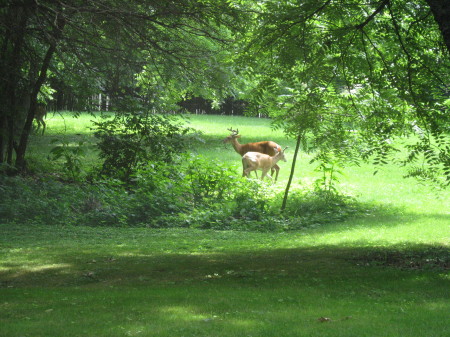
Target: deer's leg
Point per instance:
(275, 168)
(264, 174)
(244, 167)
(247, 171)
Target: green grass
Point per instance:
(382, 274)
(119, 282)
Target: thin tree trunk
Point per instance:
(294, 160)
(21, 149)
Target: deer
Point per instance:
(267, 147)
(252, 161)
(39, 115)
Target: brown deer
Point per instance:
(267, 147)
(39, 115)
(252, 161)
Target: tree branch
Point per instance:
(370, 17)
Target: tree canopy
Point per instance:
(344, 77)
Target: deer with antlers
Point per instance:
(266, 147)
(252, 161)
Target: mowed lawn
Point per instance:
(384, 273)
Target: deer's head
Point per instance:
(280, 155)
(234, 135)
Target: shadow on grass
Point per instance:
(63, 267)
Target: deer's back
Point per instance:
(267, 147)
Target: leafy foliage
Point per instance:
(318, 207)
(352, 78)
(130, 141)
(48, 201)
(72, 156)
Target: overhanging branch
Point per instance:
(370, 17)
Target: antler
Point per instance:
(234, 131)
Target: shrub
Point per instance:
(72, 157)
(252, 200)
(49, 201)
(191, 183)
(129, 141)
(317, 207)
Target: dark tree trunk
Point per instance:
(17, 18)
(441, 13)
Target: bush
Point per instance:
(316, 207)
(165, 191)
(129, 141)
(48, 201)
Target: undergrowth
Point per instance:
(419, 258)
(194, 193)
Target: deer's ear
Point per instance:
(238, 136)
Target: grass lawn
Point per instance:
(382, 274)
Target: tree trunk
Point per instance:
(11, 60)
(294, 160)
(441, 13)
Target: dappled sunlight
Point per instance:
(19, 269)
(190, 314)
(179, 282)
(29, 260)
(137, 256)
(390, 230)
(45, 267)
(185, 313)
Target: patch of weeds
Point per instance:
(313, 208)
(48, 201)
(427, 258)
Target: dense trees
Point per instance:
(128, 49)
(343, 77)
